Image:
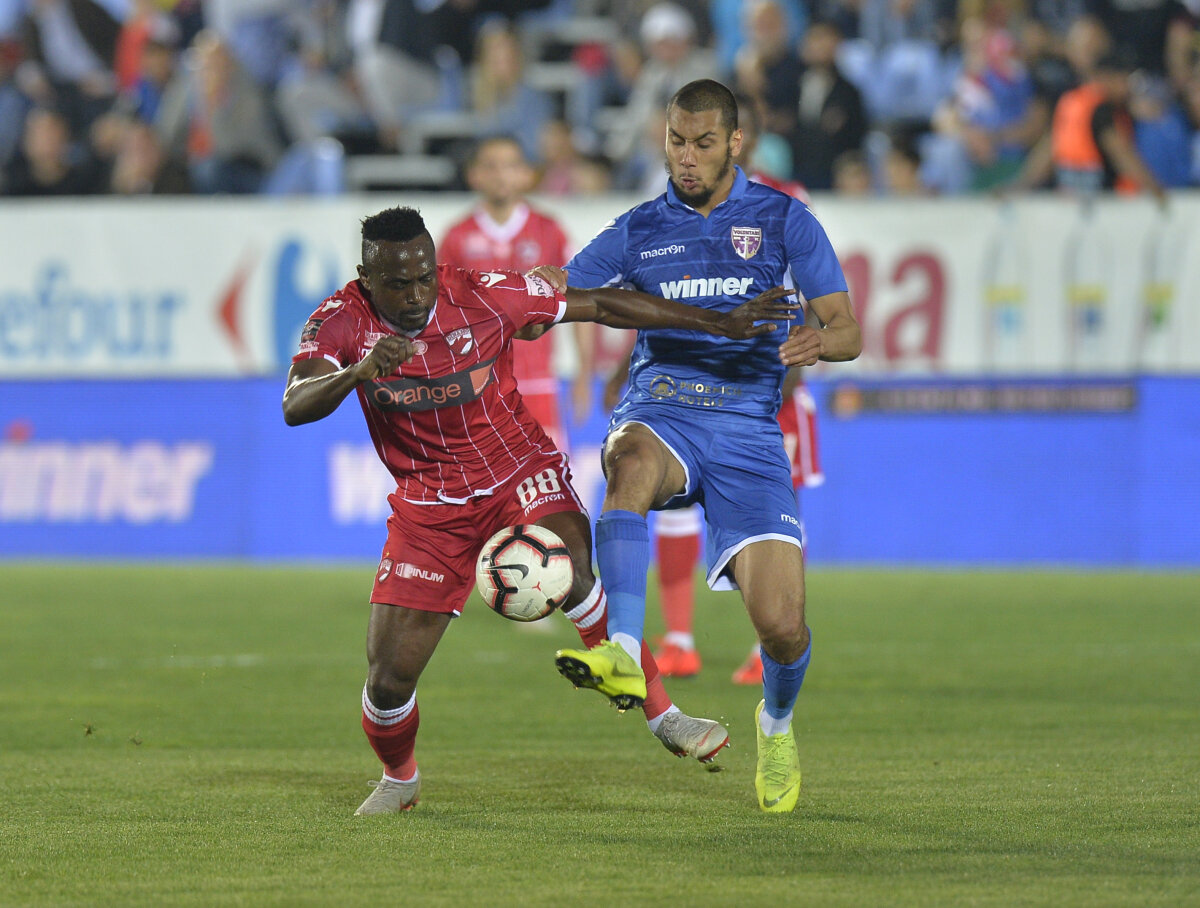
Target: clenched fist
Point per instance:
(385, 357)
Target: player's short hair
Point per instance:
(393, 225)
(707, 94)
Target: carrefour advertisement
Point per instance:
(1084, 471)
(205, 287)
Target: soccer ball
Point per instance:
(524, 572)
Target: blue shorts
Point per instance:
(736, 467)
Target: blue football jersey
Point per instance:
(756, 239)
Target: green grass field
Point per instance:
(190, 736)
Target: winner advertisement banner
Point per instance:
(1085, 471)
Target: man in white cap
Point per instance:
(668, 38)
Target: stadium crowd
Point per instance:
(862, 97)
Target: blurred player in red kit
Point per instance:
(505, 233)
(677, 533)
(428, 351)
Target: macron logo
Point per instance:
(673, 249)
(704, 286)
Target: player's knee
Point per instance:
(388, 687)
(785, 635)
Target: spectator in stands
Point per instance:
(1056, 16)
(852, 174)
(259, 34)
(883, 23)
(48, 162)
(1041, 51)
(1085, 43)
(565, 171)
(1091, 146)
(69, 49)
(829, 118)
(902, 169)
(991, 118)
(394, 47)
(1191, 107)
(765, 156)
(502, 99)
(216, 118)
(767, 64)
(155, 68)
(145, 19)
(668, 36)
(141, 167)
(13, 103)
(1161, 130)
(761, 29)
(1155, 35)
(318, 95)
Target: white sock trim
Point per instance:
(387, 716)
(657, 720)
(682, 639)
(630, 644)
(772, 726)
(592, 610)
(402, 781)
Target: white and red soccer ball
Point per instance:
(524, 572)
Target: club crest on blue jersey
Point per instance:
(746, 241)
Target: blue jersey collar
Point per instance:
(739, 189)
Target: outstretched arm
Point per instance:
(631, 309)
(316, 387)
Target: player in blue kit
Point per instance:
(697, 423)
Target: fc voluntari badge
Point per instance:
(746, 241)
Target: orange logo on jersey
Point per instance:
(415, 394)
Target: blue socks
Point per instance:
(781, 683)
(623, 556)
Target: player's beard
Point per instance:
(700, 198)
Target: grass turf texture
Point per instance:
(190, 736)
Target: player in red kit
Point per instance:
(504, 233)
(428, 351)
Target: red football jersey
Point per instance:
(450, 423)
(528, 239)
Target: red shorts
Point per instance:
(429, 559)
(798, 420)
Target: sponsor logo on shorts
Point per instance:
(545, 499)
(412, 572)
(788, 518)
(673, 249)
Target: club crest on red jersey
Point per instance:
(460, 341)
(746, 241)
